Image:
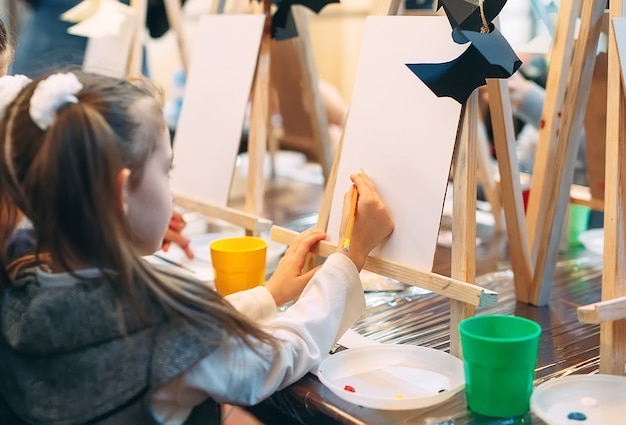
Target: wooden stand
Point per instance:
(260, 109)
(464, 296)
(611, 311)
(569, 79)
(513, 205)
(253, 224)
(261, 95)
(294, 84)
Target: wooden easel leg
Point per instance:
(136, 55)
(504, 139)
(613, 334)
(486, 179)
(310, 90)
(217, 6)
(464, 216)
(553, 171)
(385, 7)
(259, 116)
(175, 20)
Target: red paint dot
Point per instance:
(349, 388)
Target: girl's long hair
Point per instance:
(63, 180)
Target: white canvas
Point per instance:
(400, 133)
(216, 94)
(109, 55)
(108, 45)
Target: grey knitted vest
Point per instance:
(64, 359)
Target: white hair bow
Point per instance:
(50, 95)
(10, 87)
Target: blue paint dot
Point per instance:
(577, 416)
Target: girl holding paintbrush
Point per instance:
(92, 333)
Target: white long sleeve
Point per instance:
(256, 304)
(235, 374)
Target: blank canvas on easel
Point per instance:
(217, 90)
(109, 54)
(400, 133)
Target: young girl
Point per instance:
(90, 332)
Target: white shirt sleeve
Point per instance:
(257, 303)
(235, 374)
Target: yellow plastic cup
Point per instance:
(238, 263)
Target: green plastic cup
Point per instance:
(578, 223)
(499, 357)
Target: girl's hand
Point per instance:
(288, 281)
(372, 223)
(173, 234)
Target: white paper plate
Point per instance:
(595, 399)
(593, 240)
(393, 377)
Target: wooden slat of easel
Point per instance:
(259, 120)
(504, 140)
(556, 153)
(385, 7)
(487, 179)
(295, 81)
(560, 59)
(610, 313)
(463, 260)
(455, 289)
(253, 224)
(175, 20)
(260, 113)
(136, 54)
(613, 334)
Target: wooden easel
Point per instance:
(464, 296)
(610, 313)
(510, 188)
(253, 224)
(563, 116)
(293, 77)
(533, 257)
(261, 97)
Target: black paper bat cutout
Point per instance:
(465, 14)
(283, 24)
(488, 56)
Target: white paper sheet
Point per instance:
(400, 133)
(216, 94)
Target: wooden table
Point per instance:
(566, 346)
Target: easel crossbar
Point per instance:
(250, 222)
(602, 312)
(442, 285)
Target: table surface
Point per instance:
(566, 346)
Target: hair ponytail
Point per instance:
(64, 179)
